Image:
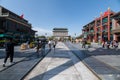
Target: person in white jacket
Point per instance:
(50, 43)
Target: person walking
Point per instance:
(54, 44)
(84, 43)
(108, 44)
(116, 44)
(103, 44)
(49, 43)
(38, 46)
(43, 43)
(9, 48)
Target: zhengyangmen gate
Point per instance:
(13, 25)
(60, 33)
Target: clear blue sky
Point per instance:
(44, 15)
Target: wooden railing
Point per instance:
(115, 28)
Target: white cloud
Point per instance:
(41, 31)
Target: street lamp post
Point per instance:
(75, 38)
(45, 35)
(36, 35)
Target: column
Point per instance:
(95, 29)
(101, 28)
(108, 24)
(115, 36)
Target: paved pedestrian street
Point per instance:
(67, 62)
(104, 62)
(24, 60)
(61, 64)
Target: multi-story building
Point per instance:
(60, 33)
(100, 28)
(14, 25)
(116, 26)
(88, 31)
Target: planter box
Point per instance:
(23, 46)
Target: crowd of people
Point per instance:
(39, 47)
(52, 44)
(105, 44)
(108, 44)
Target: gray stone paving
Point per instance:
(25, 60)
(105, 62)
(18, 56)
(61, 65)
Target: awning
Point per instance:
(5, 36)
(116, 31)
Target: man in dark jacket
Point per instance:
(9, 48)
(84, 43)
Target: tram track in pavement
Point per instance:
(84, 62)
(85, 55)
(41, 58)
(21, 67)
(7, 67)
(101, 61)
(49, 72)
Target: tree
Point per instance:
(41, 36)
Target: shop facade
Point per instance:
(116, 26)
(14, 25)
(99, 29)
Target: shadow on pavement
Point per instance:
(58, 69)
(105, 62)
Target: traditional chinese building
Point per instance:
(14, 25)
(100, 28)
(116, 26)
(60, 33)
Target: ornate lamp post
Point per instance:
(45, 35)
(75, 38)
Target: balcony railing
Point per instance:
(20, 20)
(91, 30)
(105, 30)
(115, 28)
(86, 33)
(5, 14)
(16, 18)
